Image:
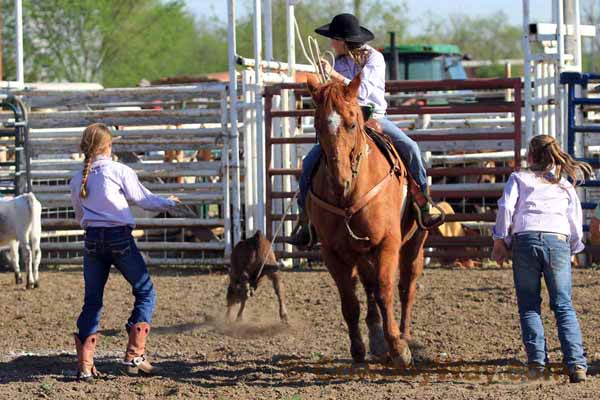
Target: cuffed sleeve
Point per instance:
(575, 217)
(506, 210)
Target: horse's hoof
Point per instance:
(36, 285)
(404, 360)
(358, 353)
(285, 320)
(30, 286)
(19, 280)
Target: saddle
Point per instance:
(387, 148)
(385, 145)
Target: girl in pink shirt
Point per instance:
(539, 216)
(100, 193)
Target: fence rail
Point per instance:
(189, 119)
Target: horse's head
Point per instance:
(339, 126)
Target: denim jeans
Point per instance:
(105, 247)
(407, 148)
(537, 254)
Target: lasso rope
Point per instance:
(314, 58)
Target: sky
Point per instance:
(513, 8)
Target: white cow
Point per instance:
(21, 229)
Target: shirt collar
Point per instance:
(101, 157)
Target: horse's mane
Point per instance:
(334, 98)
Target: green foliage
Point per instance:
(154, 41)
(116, 42)
(310, 14)
(119, 42)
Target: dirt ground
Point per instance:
(466, 341)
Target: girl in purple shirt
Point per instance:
(100, 193)
(540, 217)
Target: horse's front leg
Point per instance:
(345, 279)
(377, 344)
(387, 259)
(411, 267)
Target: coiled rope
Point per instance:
(314, 58)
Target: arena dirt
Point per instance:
(466, 341)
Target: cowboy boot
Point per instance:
(422, 204)
(86, 370)
(135, 358)
(303, 234)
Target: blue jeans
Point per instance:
(537, 254)
(113, 246)
(407, 148)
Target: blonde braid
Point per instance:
(84, 178)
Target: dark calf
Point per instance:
(245, 275)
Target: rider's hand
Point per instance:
(326, 66)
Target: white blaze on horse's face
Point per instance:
(333, 122)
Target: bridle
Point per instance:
(356, 155)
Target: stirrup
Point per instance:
(439, 221)
(300, 230)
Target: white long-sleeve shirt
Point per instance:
(531, 203)
(110, 185)
(372, 86)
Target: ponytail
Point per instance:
(546, 154)
(358, 53)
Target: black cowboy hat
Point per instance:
(345, 27)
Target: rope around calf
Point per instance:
(277, 231)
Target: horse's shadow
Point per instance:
(281, 370)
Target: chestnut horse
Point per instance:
(367, 227)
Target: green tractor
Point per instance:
(434, 62)
(427, 62)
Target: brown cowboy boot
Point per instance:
(422, 204)
(135, 358)
(86, 370)
(303, 236)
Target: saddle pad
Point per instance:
(385, 145)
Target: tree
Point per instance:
(380, 16)
(591, 16)
(116, 42)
